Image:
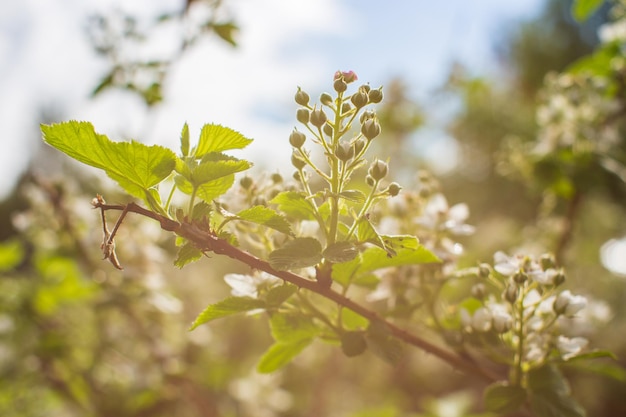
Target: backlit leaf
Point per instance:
(280, 354)
(294, 204)
(227, 307)
(135, 166)
(186, 254)
(292, 327)
(582, 9)
(297, 253)
(340, 252)
(217, 138)
(267, 217)
(501, 397)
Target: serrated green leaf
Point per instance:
(278, 295)
(550, 394)
(294, 204)
(280, 354)
(400, 242)
(208, 191)
(582, 9)
(297, 253)
(340, 252)
(201, 210)
(186, 254)
(267, 217)
(292, 327)
(135, 166)
(355, 196)
(501, 397)
(367, 233)
(227, 307)
(214, 168)
(217, 138)
(184, 140)
(375, 258)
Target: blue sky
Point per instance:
(46, 62)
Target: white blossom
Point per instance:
(570, 347)
(568, 304)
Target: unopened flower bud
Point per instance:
(484, 270)
(358, 146)
(547, 261)
(296, 175)
(345, 108)
(276, 178)
(510, 293)
(328, 130)
(297, 161)
(326, 99)
(478, 291)
(370, 129)
(318, 117)
(302, 98)
(246, 182)
(394, 189)
(344, 151)
(365, 88)
(303, 115)
(520, 277)
(367, 115)
(378, 170)
(347, 76)
(259, 201)
(359, 99)
(297, 139)
(375, 96)
(340, 85)
(369, 180)
(559, 278)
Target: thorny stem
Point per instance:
(209, 242)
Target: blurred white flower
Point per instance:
(568, 304)
(570, 347)
(248, 285)
(482, 320)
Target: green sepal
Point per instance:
(503, 398)
(297, 253)
(227, 307)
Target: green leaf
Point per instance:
(504, 398)
(340, 252)
(292, 327)
(367, 233)
(583, 9)
(375, 258)
(353, 343)
(227, 307)
(217, 138)
(226, 31)
(294, 204)
(353, 321)
(11, 254)
(186, 254)
(550, 394)
(208, 191)
(280, 354)
(184, 140)
(267, 217)
(297, 253)
(278, 295)
(355, 196)
(215, 166)
(135, 166)
(383, 344)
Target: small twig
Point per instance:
(568, 227)
(209, 242)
